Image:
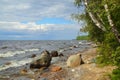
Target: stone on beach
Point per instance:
(23, 71)
(43, 61)
(54, 53)
(74, 60)
(55, 68)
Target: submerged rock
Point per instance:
(7, 63)
(33, 55)
(74, 60)
(54, 53)
(4, 47)
(43, 61)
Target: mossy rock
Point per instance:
(43, 61)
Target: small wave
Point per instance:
(10, 53)
(15, 64)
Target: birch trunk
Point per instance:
(113, 28)
(94, 19)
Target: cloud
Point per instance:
(14, 12)
(31, 31)
(32, 26)
(32, 10)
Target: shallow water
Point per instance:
(17, 53)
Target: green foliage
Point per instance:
(109, 47)
(116, 57)
(115, 74)
(82, 38)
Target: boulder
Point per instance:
(43, 61)
(74, 60)
(54, 53)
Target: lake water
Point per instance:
(18, 53)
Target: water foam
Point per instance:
(11, 53)
(15, 64)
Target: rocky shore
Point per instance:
(63, 67)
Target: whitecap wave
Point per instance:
(11, 53)
(15, 64)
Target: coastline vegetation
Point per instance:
(82, 38)
(102, 22)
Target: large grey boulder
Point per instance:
(43, 61)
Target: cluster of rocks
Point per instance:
(45, 58)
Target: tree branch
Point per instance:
(114, 30)
(94, 19)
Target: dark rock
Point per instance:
(82, 62)
(75, 46)
(43, 61)
(54, 53)
(60, 55)
(7, 63)
(5, 47)
(33, 55)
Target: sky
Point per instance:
(38, 20)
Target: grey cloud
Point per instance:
(32, 10)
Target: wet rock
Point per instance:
(75, 46)
(4, 47)
(7, 63)
(60, 55)
(43, 61)
(74, 60)
(54, 53)
(33, 55)
(56, 68)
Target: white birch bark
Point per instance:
(94, 19)
(113, 28)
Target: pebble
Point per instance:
(73, 70)
(23, 71)
(56, 68)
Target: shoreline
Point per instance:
(83, 72)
